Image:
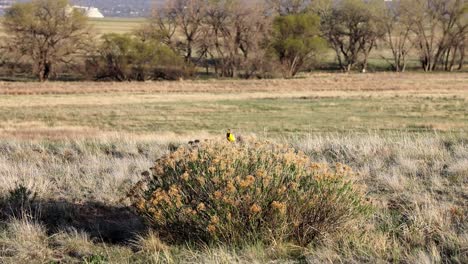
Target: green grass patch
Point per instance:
(272, 116)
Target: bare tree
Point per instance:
(162, 25)
(252, 28)
(397, 35)
(178, 24)
(47, 32)
(372, 30)
(288, 7)
(455, 22)
(352, 28)
(440, 27)
(215, 34)
(232, 34)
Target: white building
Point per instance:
(90, 11)
(5, 4)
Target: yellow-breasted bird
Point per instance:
(230, 137)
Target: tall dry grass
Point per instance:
(416, 184)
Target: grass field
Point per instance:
(116, 25)
(318, 103)
(108, 25)
(79, 147)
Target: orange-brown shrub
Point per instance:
(239, 193)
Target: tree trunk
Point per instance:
(452, 61)
(447, 59)
(365, 62)
(340, 61)
(188, 55)
(403, 67)
(462, 57)
(397, 62)
(45, 69)
(436, 58)
(426, 63)
(364, 66)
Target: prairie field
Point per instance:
(108, 25)
(71, 152)
(116, 25)
(317, 103)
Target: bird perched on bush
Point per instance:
(230, 137)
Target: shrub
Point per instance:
(296, 42)
(250, 192)
(126, 58)
(18, 202)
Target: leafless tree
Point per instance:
(232, 35)
(352, 28)
(455, 24)
(288, 7)
(397, 35)
(440, 27)
(178, 24)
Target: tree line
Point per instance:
(236, 38)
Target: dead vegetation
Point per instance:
(416, 183)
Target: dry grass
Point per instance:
(80, 146)
(318, 103)
(331, 83)
(24, 241)
(116, 25)
(107, 25)
(417, 184)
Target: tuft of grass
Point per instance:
(23, 240)
(75, 244)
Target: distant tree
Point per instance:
(454, 20)
(232, 35)
(126, 58)
(178, 24)
(440, 28)
(352, 28)
(115, 57)
(47, 32)
(296, 41)
(288, 7)
(249, 34)
(228, 35)
(397, 34)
